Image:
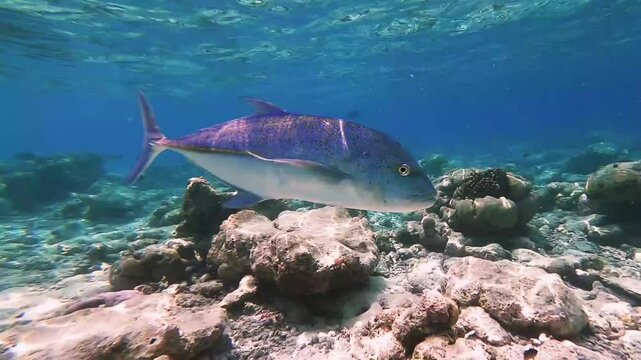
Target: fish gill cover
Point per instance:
(523, 115)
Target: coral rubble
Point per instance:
(502, 267)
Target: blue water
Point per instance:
(441, 76)
(497, 80)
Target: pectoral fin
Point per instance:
(242, 199)
(329, 172)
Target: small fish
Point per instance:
(275, 154)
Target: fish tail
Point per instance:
(152, 141)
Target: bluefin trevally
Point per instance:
(276, 154)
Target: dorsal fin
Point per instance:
(262, 107)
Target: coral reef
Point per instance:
(108, 202)
(35, 180)
(564, 196)
(477, 184)
(486, 202)
(498, 269)
(616, 188)
(594, 157)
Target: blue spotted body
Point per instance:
(275, 154)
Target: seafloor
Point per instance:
(535, 258)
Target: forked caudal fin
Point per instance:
(150, 146)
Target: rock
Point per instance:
(484, 327)
(610, 234)
(429, 225)
(431, 314)
(485, 214)
(427, 274)
(152, 264)
(555, 350)
(231, 254)
(595, 156)
(428, 232)
(562, 265)
(413, 252)
(519, 187)
(438, 348)
(246, 289)
(302, 253)
(528, 208)
(374, 339)
(103, 299)
(73, 209)
(523, 299)
(456, 245)
(616, 188)
(632, 343)
(111, 203)
(203, 213)
(491, 252)
(584, 279)
(165, 215)
(141, 244)
(144, 327)
(380, 346)
(183, 247)
(69, 230)
(564, 196)
(273, 207)
(627, 286)
(5, 207)
(36, 180)
(207, 289)
(414, 232)
(609, 317)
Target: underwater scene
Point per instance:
(320, 179)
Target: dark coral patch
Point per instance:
(478, 184)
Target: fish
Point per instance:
(277, 154)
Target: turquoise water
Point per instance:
(442, 76)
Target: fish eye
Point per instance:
(404, 170)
